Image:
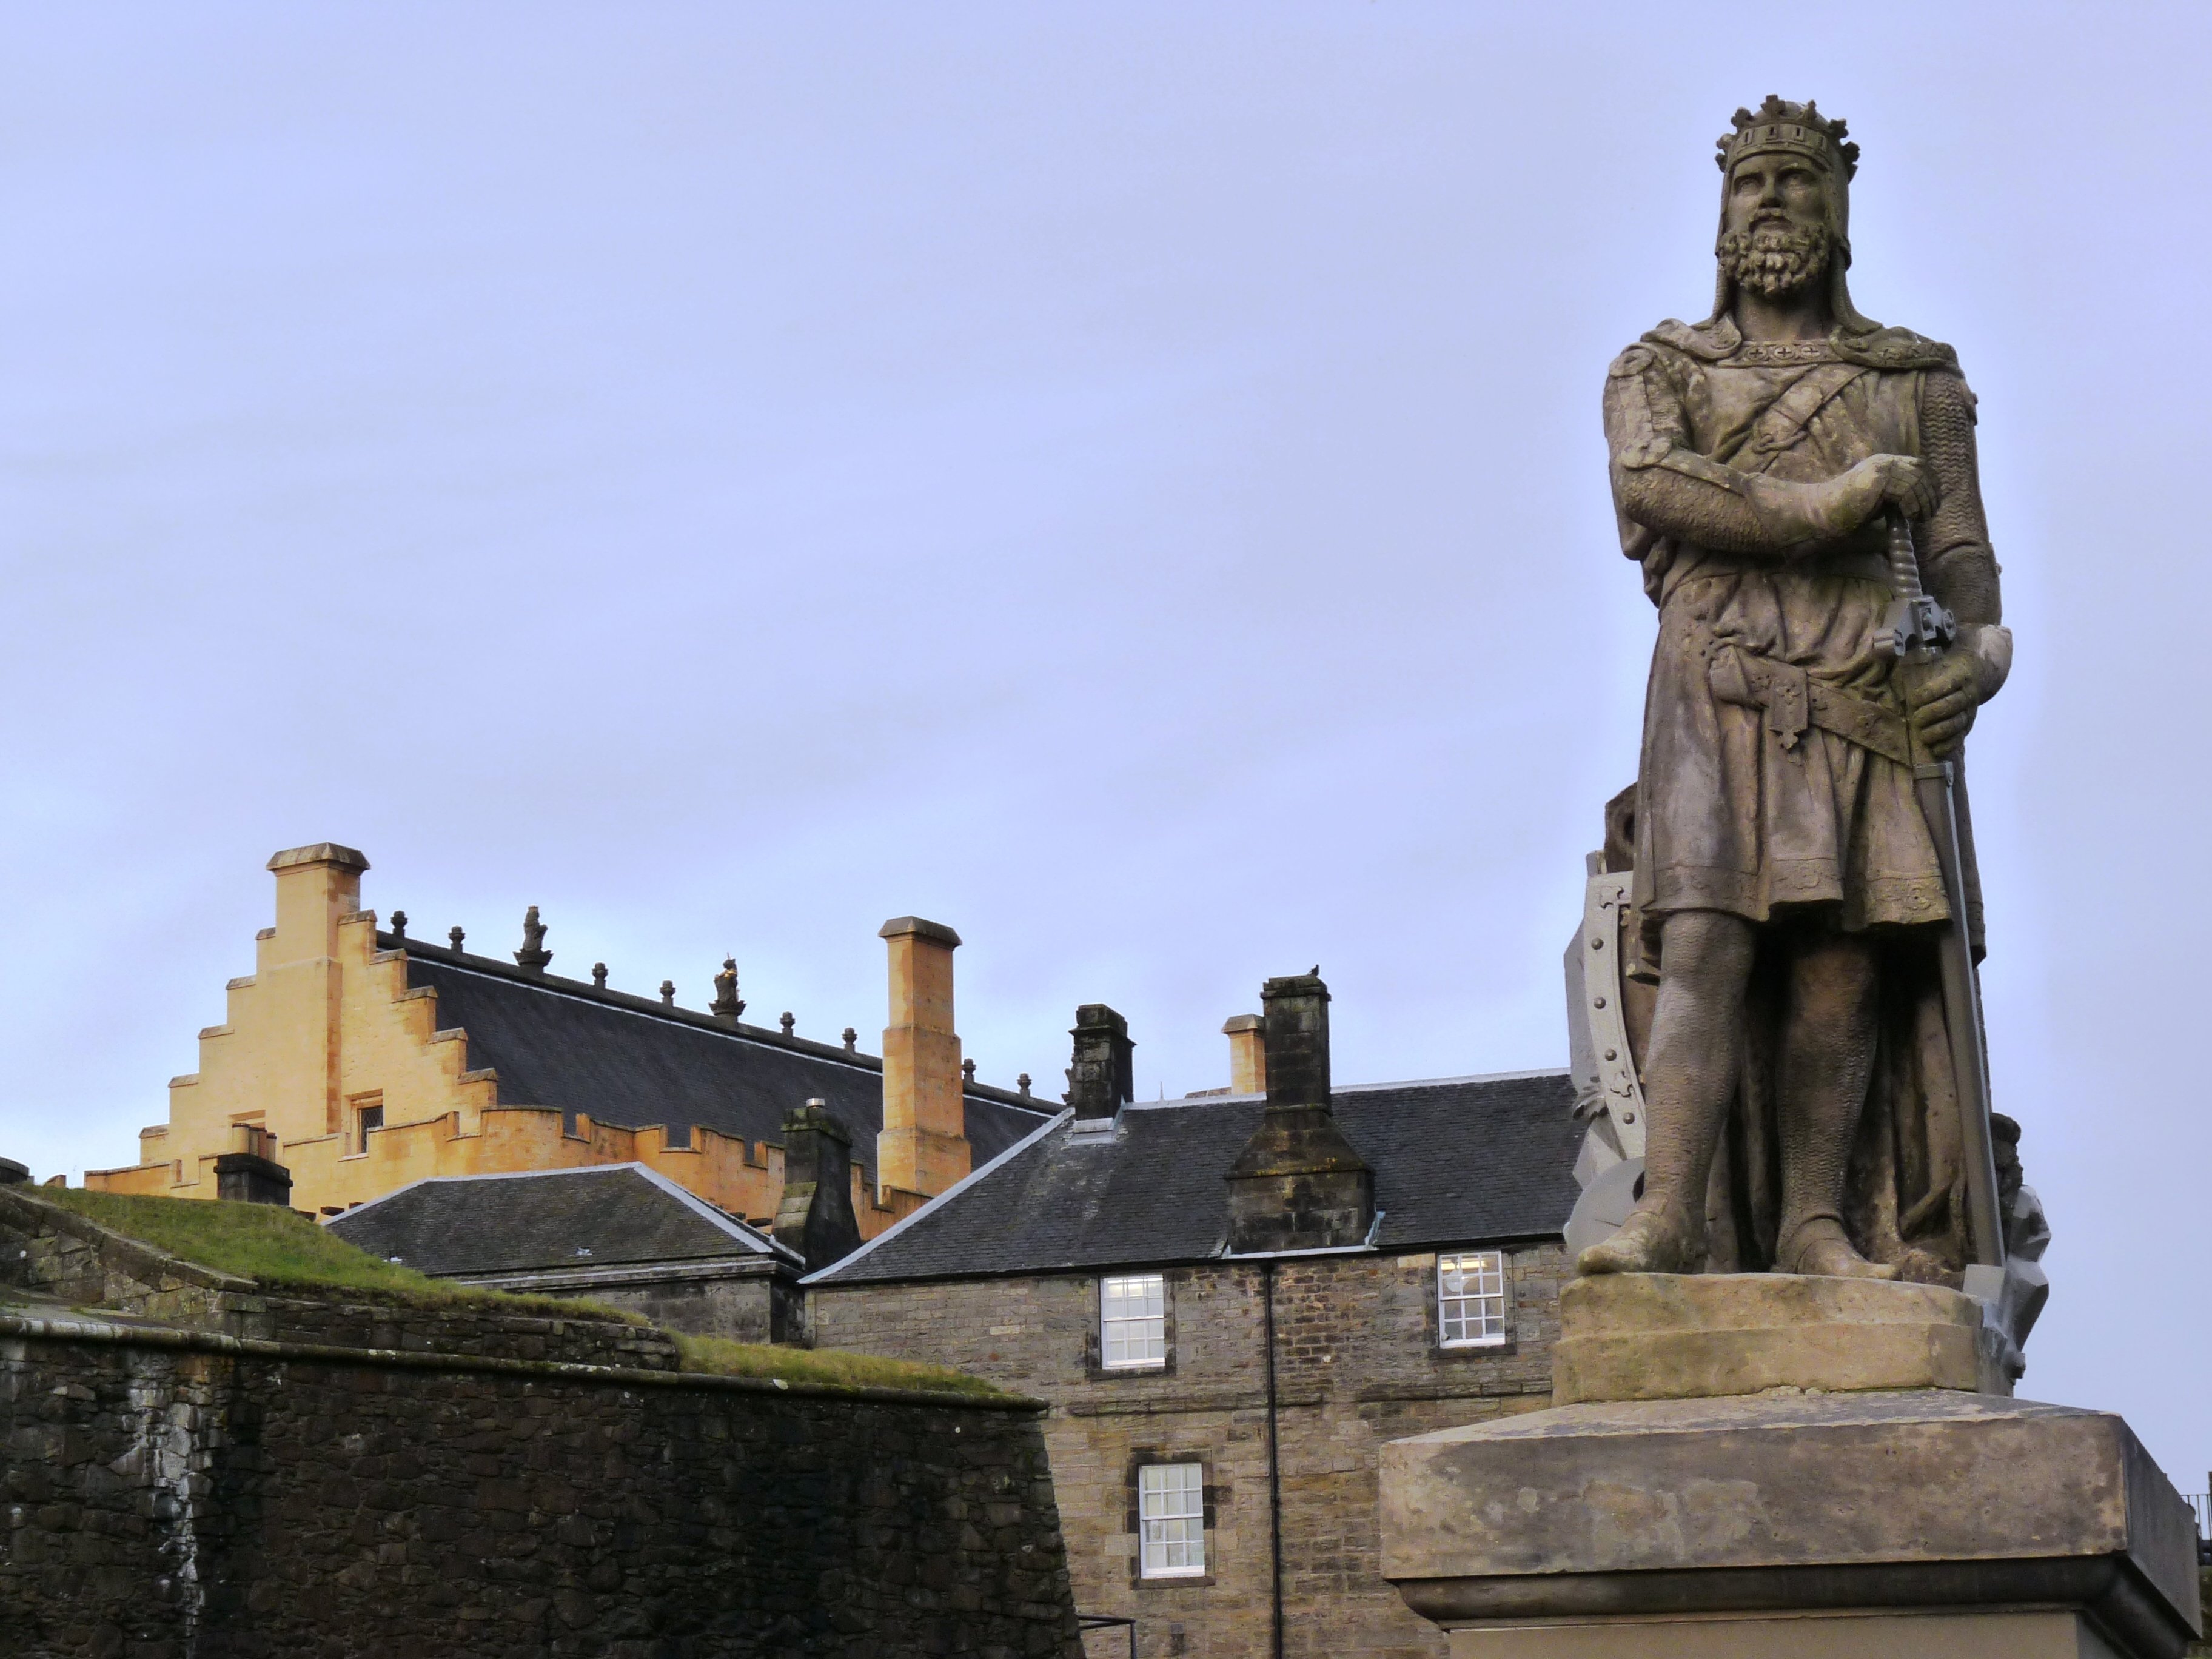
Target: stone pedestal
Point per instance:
(1844, 1492)
(1693, 1336)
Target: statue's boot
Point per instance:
(1659, 1237)
(1818, 1246)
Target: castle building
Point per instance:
(1231, 1301)
(363, 1060)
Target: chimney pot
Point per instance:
(1023, 1084)
(454, 936)
(668, 993)
(399, 924)
(852, 1041)
(599, 976)
(786, 1021)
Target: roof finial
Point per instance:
(787, 1021)
(668, 993)
(1023, 1084)
(454, 936)
(533, 955)
(399, 924)
(598, 977)
(727, 1004)
(968, 1071)
(852, 1041)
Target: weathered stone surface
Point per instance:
(1695, 1336)
(1808, 1503)
(1357, 1365)
(159, 1501)
(2038, 1635)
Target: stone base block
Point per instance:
(1837, 1635)
(1624, 1521)
(1695, 1336)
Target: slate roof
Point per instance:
(630, 1061)
(1457, 1161)
(607, 1214)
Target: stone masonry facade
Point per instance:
(1358, 1363)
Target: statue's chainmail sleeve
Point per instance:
(1956, 562)
(1643, 427)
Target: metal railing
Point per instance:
(1088, 1622)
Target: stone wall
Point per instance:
(184, 1495)
(55, 1253)
(1356, 1365)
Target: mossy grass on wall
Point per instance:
(286, 1251)
(827, 1367)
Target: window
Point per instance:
(368, 1114)
(1471, 1299)
(1171, 1519)
(1133, 1322)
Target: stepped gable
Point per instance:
(626, 1060)
(608, 1214)
(1456, 1161)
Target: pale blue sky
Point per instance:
(1124, 481)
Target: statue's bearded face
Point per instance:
(1777, 238)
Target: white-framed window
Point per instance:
(1171, 1521)
(1471, 1303)
(1133, 1322)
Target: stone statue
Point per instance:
(1802, 1115)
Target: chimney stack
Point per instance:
(1102, 1079)
(815, 1216)
(297, 968)
(923, 1147)
(1248, 1054)
(248, 1173)
(1298, 1184)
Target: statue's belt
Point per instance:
(1794, 700)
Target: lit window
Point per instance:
(1132, 1324)
(1171, 1519)
(1471, 1298)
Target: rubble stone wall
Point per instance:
(171, 1495)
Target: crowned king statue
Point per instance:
(1800, 1081)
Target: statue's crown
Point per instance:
(1780, 124)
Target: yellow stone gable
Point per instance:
(325, 1052)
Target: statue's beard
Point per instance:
(1776, 258)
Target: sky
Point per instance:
(1124, 481)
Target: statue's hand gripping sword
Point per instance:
(1915, 634)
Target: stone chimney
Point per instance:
(1248, 1054)
(1298, 1184)
(248, 1173)
(1101, 1079)
(297, 968)
(815, 1216)
(923, 1147)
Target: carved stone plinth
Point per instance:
(1693, 1336)
(1886, 1525)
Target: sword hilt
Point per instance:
(1917, 628)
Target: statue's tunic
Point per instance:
(1774, 770)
